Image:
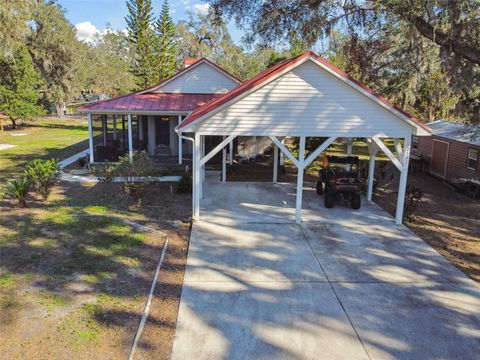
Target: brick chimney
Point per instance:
(189, 61)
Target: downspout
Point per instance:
(193, 164)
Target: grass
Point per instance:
(45, 138)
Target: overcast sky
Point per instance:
(90, 16)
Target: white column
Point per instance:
(230, 151)
(301, 159)
(140, 127)
(104, 130)
(130, 137)
(90, 137)
(275, 163)
(196, 177)
(151, 136)
(224, 163)
(402, 186)
(180, 147)
(203, 154)
(371, 168)
(282, 157)
(349, 146)
(114, 127)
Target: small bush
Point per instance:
(185, 184)
(82, 161)
(128, 170)
(413, 197)
(19, 189)
(43, 174)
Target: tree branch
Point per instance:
(450, 44)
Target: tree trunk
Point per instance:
(14, 123)
(59, 109)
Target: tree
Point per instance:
(167, 46)
(104, 65)
(19, 83)
(412, 33)
(51, 43)
(142, 41)
(14, 15)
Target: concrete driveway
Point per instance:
(344, 285)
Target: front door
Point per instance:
(438, 165)
(163, 131)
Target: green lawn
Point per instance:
(45, 138)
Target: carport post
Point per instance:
(372, 149)
(402, 186)
(275, 163)
(224, 163)
(230, 152)
(349, 146)
(301, 159)
(90, 137)
(196, 177)
(282, 157)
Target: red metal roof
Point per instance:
(167, 102)
(274, 70)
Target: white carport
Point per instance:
(303, 97)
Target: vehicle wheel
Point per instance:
(356, 201)
(329, 200)
(319, 187)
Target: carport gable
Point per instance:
(302, 96)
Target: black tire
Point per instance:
(319, 187)
(356, 201)
(329, 200)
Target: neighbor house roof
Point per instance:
(271, 72)
(456, 131)
(151, 102)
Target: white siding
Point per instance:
(201, 79)
(306, 101)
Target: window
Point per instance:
(472, 159)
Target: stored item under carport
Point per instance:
(339, 180)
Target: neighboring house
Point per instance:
(147, 119)
(453, 150)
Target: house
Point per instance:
(452, 151)
(305, 96)
(146, 120)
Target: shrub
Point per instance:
(82, 161)
(19, 189)
(43, 174)
(139, 166)
(413, 197)
(185, 184)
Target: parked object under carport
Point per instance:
(339, 179)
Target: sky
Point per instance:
(91, 16)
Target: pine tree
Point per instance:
(143, 41)
(167, 46)
(19, 95)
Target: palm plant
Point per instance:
(19, 190)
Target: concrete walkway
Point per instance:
(344, 285)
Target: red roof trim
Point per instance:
(154, 102)
(274, 70)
